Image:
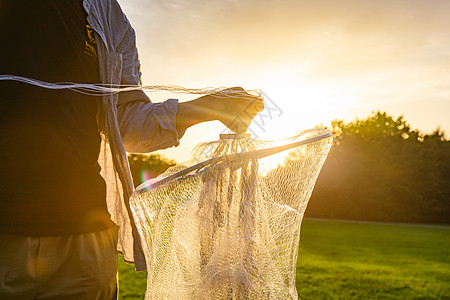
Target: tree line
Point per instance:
(380, 169)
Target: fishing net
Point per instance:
(226, 224)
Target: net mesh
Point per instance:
(230, 228)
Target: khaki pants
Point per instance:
(82, 266)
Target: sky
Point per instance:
(315, 61)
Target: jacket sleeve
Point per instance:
(147, 126)
(144, 126)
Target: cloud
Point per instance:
(350, 31)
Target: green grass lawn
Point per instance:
(373, 261)
(356, 261)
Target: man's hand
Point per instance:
(234, 107)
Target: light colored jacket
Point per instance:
(127, 121)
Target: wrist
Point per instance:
(202, 109)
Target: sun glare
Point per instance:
(303, 105)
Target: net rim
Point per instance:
(230, 158)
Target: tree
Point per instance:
(382, 170)
(146, 166)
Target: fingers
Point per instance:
(238, 125)
(242, 118)
(237, 120)
(240, 108)
(258, 104)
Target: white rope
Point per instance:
(102, 89)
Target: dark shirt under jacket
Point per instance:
(49, 141)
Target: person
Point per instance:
(65, 180)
